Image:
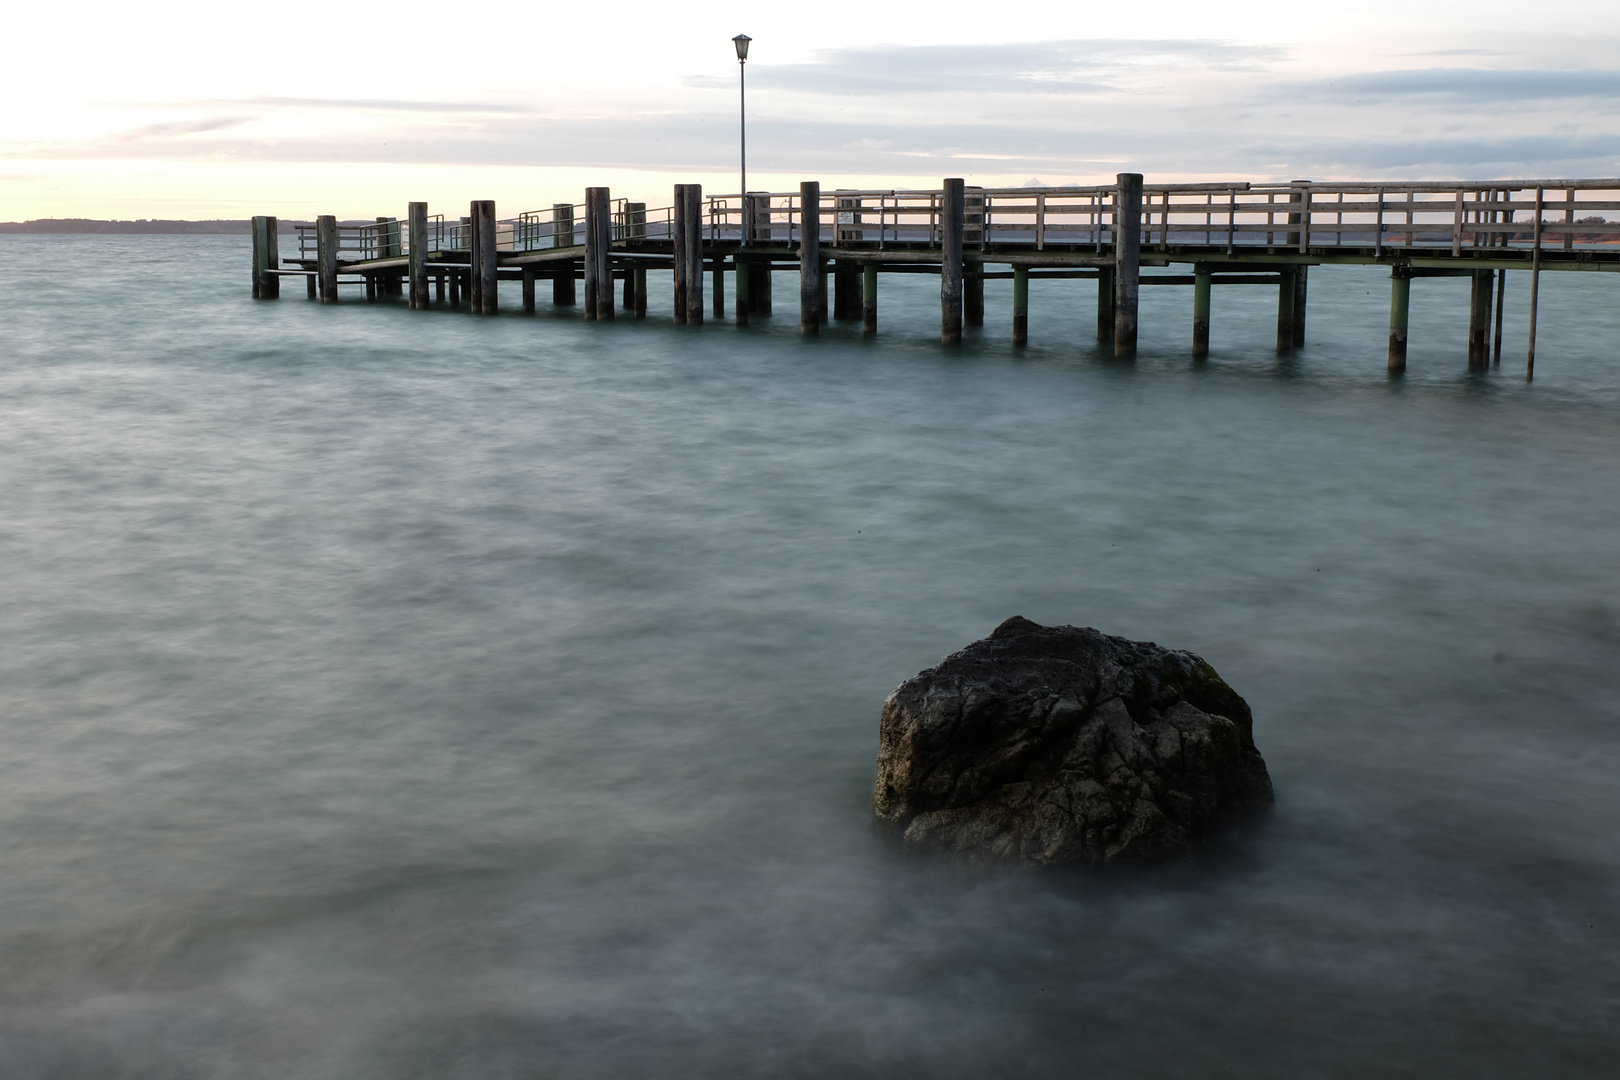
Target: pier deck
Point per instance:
(1220, 233)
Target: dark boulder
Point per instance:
(1061, 744)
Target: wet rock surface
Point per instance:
(1042, 745)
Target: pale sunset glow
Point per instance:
(201, 110)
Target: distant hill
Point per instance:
(143, 225)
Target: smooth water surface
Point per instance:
(408, 694)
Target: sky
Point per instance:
(208, 110)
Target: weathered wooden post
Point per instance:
(1105, 303)
(371, 287)
(562, 236)
(846, 272)
(1127, 268)
(1201, 284)
(266, 259)
(528, 290)
(1479, 319)
(718, 270)
(1501, 299)
(635, 277)
(485, 258)
(869, 297)
(679, 248)
(1286, 295)
(309, 285)
(742, 267)
(951, 213)
(598, 254)
(973, 236)
(1535, 284)
(441, 281)
(416, 236)
(455, 288)
(694, 253)
(1400, 302)
(759, 273)
(326, 256)
(811, 285)
(1020, 304)
(1301, 279)
(389, 246)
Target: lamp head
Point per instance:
(741, 41)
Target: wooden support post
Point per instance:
(598, 254)
(679, 248)
(1020, 304)
(485, 259)
(371, 288)
(528, 290)
(1127, 268)
(326, 256)
(562, 236)
(694, 253)
(1479, 319)
(1201, 284)
(309, 285)
(810, 268)
(1400, 302)
(1301, 279)
(972, 292)
(1535, 285)
(389, 246)
(718, 268)
(742, 267)
(266, 259)
(640, 273)
(439, 284)
(951, 214)
(635, 280)
(1105, 304)
(416, 235)
(1285, 309)
(1501, 299)
(759, 273)
(455, 288)
(869, 294)
(846, 283)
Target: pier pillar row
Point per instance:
(951, 213)
(1127, 265)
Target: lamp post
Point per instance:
(741, 42)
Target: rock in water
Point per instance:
(1062, 744)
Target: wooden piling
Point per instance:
(678, 249)
(1201, 284)
(485, 259)
(759, 273)
(1535, 285)
(371, 288)
(1501, 299)
(266, 259)
(326, 256)
(1127, 268)
(846, 283)
(416, 237)
(455, 288)
(1479, 319)
(869, 297)
(1105, 304)
(562, 236)
(390, 245)
(528, 290)
(743, 268)
(1285, 310)
(635, 279)
(1400, 302)
(309, 285)
(1301, 279)
(811, 288)
(440, 283)
(693, 234)
(598, 254)
(951, 220)
(1020, 304)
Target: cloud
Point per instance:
(363, 104)
(1050, 67)
(1464, 85)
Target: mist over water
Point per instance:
(393, 694)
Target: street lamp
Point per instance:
(741, 41)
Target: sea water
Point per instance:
(413, 694)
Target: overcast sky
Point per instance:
(169, 109)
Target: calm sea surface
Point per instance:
(392, 694)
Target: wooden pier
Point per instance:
(1222, 233)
